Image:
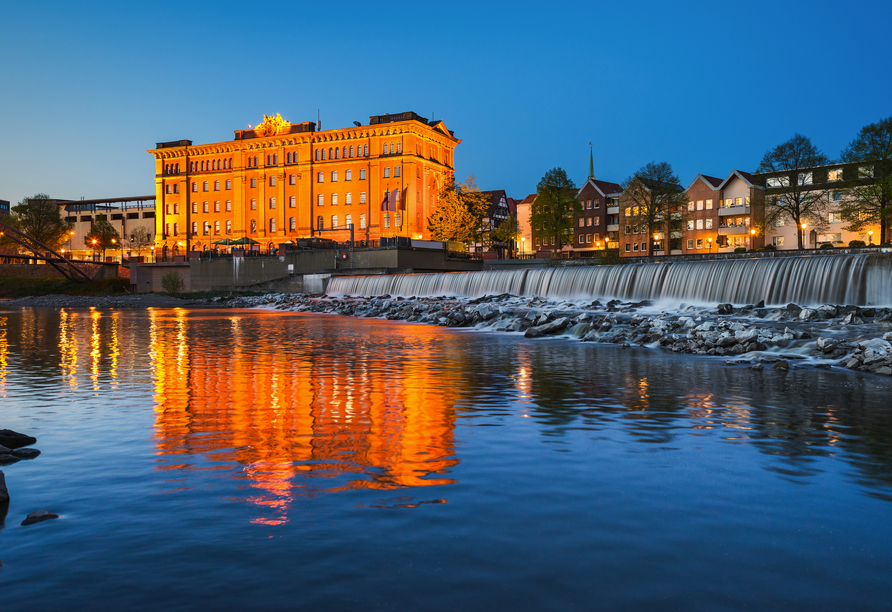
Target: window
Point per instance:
(204, 186)
(348, 199)
(865, 172)
(386, 170)
(396, 171)
(597, 220)
(699, 204)
(362, 221)
(628, 211)
(348, 175)
(254, 181)
(805, 178)
(729, 202)
(217, 206)
(292, 179)
(292, 224)
(834, 175)
(348, 221)
(738, 201)
(272, 203)
(319, 222)
(272, 225)
(699, 224)
(228, 184)
(829, 238)
(228, 205)
(194, 208)
(385, 148)
(635, 246)
(643, 246)
(334, 222)
(362, 174)
(351, 153)
(317, 154)
(690, 243)
(195, 227)
(176, 188)
(834, 218)
(362, 197)
(690, 225)
(779, 181)
(588, 238)
(253, 226)
(194, 187)
(779, 222)
(581, 222)
(216, 228)
(581, 238)
(777, 240)
(334, 176)
(597, 203)
(229, 227)
(292, 202)
(387, 219)
(253, 203)
(207, 228)
(320, 177)
(399, 148)
(691, 205)
(167, 189)
(628, 247)
(216, 185)
(365, 153)
(272, 181)
(835, 196)
(699, 243)
(708, 204)
(205, 207)
(176, 229)
(330, 154)
(708, 224)
(320, 200)
(334, 199)
(588, 221)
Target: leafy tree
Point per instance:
(172, 283)
(102, 236)
(868, 200)
(508, 231)
(792, 196)
(552, 213)
(653, 202)
(139, 239)
(459, 215)
(40, 218)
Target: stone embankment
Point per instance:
(142, 300)
(851, 337)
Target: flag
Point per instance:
(391, 201)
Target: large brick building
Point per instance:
(281, 181)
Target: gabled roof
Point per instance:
(495, 196)
(746, 177)
(512, 206)
(712, 182)
(605, 188)
(529, 199)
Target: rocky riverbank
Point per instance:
(141, 300)
(788, 337)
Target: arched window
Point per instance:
(392, 148)
(317, 154)
(348, 175)
(366, 150)
(321, 200)
(272, 225)
(385, 148)
(349, 198)
(292, 202)
(177, 170)
(351, 150)
(362, 174)
(229, 227)
(292, 224)
(319, 222)
(275, 159)
(345, 152)
(337, 153)
(362, 197)
(216, 228)
(292, 179)
(272, 203)
(329, 153)
(334, 222)
(362, 221)
(348, 221)
(334, 199)
(399, 147)
(253, 226)
(323, 154)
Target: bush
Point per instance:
(854, 244)
(172, 283)
(740, 250)
(826, 245)
(769, 247)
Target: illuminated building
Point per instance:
(280, 181)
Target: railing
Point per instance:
(734, 210)
(733, 230)
(613, 210)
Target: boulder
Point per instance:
(747, 335)
(38, 516)
(4, 492)
(7, 458)
(808, 314)
(781, 365)
(827, 311)
(853, 318)
(725, 309)
(13, 439)
(885, 371)
(726, 341)
(533, 332)
(25, 453)
(757, 366)
(555, 326)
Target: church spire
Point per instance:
(591, 162)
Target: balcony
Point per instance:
(613, 210)
(734, 231)
(613, 227)
(734, 210)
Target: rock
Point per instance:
(533, 332)
(4, 492)
(885, 371)
(726, 341)
(827, 311)
(747, 335)
(808, 314)
(4, 450)
(725, 309)
(827, 344)
(38, 516)
(25, 453)
(13, 439)
(853, 363)
(757, 366)
(555, 326)
(781, 365)
(887, 337)
(853, 319)
(8, 458)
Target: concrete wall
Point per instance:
(94, 270)
(146, 277)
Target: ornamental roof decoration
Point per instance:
(272, 126)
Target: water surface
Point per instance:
(257, 460)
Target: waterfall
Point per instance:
(864, 279)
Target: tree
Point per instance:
(508, 231)
(40, 218)
(868, 199)
(653, 202)
(478, 206)
(553, 212)
(459, 214)
(139, 239)
(172, 283)
(102, 236)
(790, 194)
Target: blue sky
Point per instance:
(88, 87)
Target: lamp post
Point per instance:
(94, 249)
(523, 245)
(709, 241)
(70, 248)
(804, 225)
(753, 239)
(870, 238)
(656, 239)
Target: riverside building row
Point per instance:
(280, 181)
(720, 215)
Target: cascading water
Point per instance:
(836, 279)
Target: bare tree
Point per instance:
(653, 202)
(139, 239)
(868, 197)
(790, 192)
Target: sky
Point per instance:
(87, 87)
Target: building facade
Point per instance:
(133, 218)
(592, 228)
(281, 181)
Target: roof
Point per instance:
(529, 199)
(605, 188)
(712, 182)
(495, 196)
(746, 177)
(512, 206)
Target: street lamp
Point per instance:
(656, 240)
(804, 225)
(870, 237)
(709, 240)
(523, 245)
(70, 248)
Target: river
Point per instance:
(239, 459)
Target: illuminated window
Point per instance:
(217, 228)
(292, 224)
(348, 221)
(777, 240)
(216, 185)
(396, 171)
(362, 174)
(805, 178)
(834, 175)
(217, 206)
(229, 227)
(205, 207)
(272, 225)
(690, 225)
(194, 208)
(334, 176)
(228, 205)
(779, 181)
(348, 175)
(348, 199)
(320, 177)
(272, 203)
(272, 181)
(253, 203)
(292, 179)
(292, 202)
(699, 224)
(699, 243)
(334, 199)
(738, 201)
(588, 221)
(708, 224)
(362, 197)
(708, 204)
(204, 186)
(690, 243)
(253, 226)
(635, 246)
(319, 222)
(362, 221)
(387, 172)
(207, 228)
(581, 222)
(228, 184)
(195, 227)
(194, 187)
(334, 222)
(320, 200)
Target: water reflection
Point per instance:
(305, 410)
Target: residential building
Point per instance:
(722, 214)
(597, 223)
(497, 213)
(4, 208)
(523, 222)
(280, 181)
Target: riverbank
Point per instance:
(789, 337)
(141, 300)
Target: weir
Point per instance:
(863, 280)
